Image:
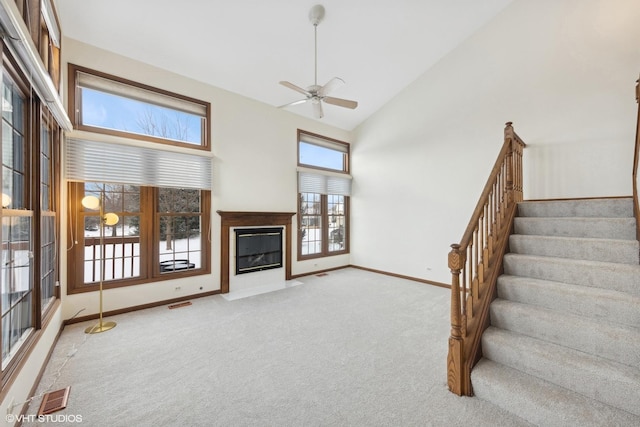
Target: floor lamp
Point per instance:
(92, 202)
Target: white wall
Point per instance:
(562, 70)
(254, 149)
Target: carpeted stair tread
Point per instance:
(597, 303)
(610, 207)
(541, 402)
(615, 276)
(611, 383)
(606, 228)
(618, 343)
(591, 249)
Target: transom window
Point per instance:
(319, 152)
(107, 104)
(324, 187)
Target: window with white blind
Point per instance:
(161, 233)
(161, 194)
(108, 104)
(324, 187)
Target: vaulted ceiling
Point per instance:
(377, 47)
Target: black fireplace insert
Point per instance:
(258, 249)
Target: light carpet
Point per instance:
(351, 348)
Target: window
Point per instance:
(324, 186)
(49, 170)
(107, 104)
(179, 240)
(161, 233)
(41, 20)
(322, 153)
(17, 222)
(30, 185)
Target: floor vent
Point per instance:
(181, 304)
(54, 401)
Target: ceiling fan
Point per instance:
(317, 94)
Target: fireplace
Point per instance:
(235, 219)
(258, 249)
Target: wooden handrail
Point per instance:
(476, 261)
(636, 160)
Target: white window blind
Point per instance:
(323, 183)
(113, 87)
(109, 162)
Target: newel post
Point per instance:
(509, 136)
(455, 360)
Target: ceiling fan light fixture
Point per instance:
(316, 93)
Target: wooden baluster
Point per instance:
(455, 358)
(476, 279)
(480, 253)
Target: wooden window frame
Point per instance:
(36, 115)
(330, 141)
(149, 241)
(324, 218)
(344, 148)
(75, 109)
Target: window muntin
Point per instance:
(107, 104)
(322, 153)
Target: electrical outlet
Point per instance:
(12, 402)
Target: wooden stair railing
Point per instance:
(476, 262)
(636, 160)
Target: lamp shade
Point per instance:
(6, 200)
(111, 218)
(91, 202)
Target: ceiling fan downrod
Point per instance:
(316, 15)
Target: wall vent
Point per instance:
(54, 401)
(180, 304)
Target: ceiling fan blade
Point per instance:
(294, 87)
(317, 110)
(300, 101)
(340, 102)
(330, 86)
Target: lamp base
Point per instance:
(100, 327)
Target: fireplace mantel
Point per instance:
(251, 219)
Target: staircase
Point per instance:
(563, 345)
